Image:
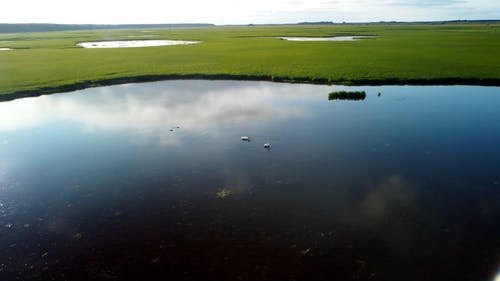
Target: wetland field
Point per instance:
(390, 54)
(379, 160)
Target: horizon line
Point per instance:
(245, 24)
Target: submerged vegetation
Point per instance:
(223, 193)
(49, 62)
(343, 95)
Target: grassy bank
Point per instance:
(400, 54)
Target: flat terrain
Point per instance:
(400, 54)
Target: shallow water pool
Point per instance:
(134, 43)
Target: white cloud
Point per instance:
(423, 3)
(243, 12)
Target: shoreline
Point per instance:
(269, 78)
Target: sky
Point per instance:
(242, 12)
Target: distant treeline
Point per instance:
(316, 23)
(400, 22)
(43, 27)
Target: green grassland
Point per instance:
(399, 54)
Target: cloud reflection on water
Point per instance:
(381, 201)
(154, 108)
(381, 208)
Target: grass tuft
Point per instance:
(344, 95)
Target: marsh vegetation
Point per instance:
(400, 54)
(347, 95)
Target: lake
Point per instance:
(135, 181)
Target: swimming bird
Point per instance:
(245, 138)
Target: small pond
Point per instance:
(336, 38)
(134, 43)
(140, 181)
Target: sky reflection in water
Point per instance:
(401, 186)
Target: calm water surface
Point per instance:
(135, 182)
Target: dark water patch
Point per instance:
(153, 181)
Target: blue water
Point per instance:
(124, 183)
